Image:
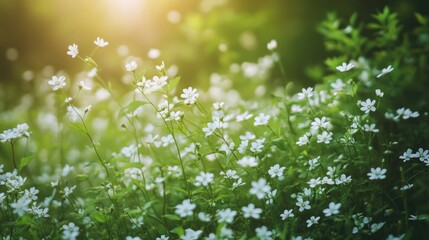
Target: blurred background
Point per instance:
(198, 36)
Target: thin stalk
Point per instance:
(13, 154)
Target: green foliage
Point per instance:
(344, 159)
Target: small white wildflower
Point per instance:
(325, 137)
(226, 215)
(271, 45)
(57, 82)
(191, 234)
(276, 171)
(100, 42)
(204, 179)
(248, 161)
(260, 188)
(377, 173)
(379, 93)
(263, 233)
(131, 66)
(370, 128)
(303, 140)
(262, 119)
(244, 116)
(312, 220)
(385, 71)
(204, 217)
(189, 95)
(70, 231)
(185, 208)
(287, 213)
(250, 211)
(367, 106)
(305, 93)
(333, 209)
(73, 50)
(302, 204)
(345, 67)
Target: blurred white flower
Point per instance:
(73, 50)
(100, 42)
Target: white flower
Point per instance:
(320, 123)
(204, 179)
(305, 93)
(312, 220)
(162, 237)
(73, 50)
(133, 238)
(20, 206)
(276, 171)
(302, 204)
(345, 67)
(377, 173)
(248, 161)
(189, 95)
(137, 222)
(260, 188)
(287, 214)
(68, 100)
(303, 140)
(392, 237)
(57, 82)
(257, 146)
(160, 67)
(325, 137)
(376, 226)
(190, 234)
(83, 86)
(131, 66)
(226, 215)
(185, 209)
(68, 191)
(338, 85)
(263, 233)
(422, 155)
(244, 116)
(70, 231)
(204, 217)
(261, 119)
(368, 105)
(385, 71)
(370, 128)
(272, 45)
(251, 212)
(100, 42)
(92, 73)
(333, 209)
(379, 93)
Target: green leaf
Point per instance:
(420, 18)
(77, 126)
(172, 217)
(98, 216)
(131, 108)
(172, 84)
(25, 161)
(178, 230)
(91, 62)
(280, 144)
(148, 204)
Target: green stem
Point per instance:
(13, 154)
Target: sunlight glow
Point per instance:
(125, 11)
